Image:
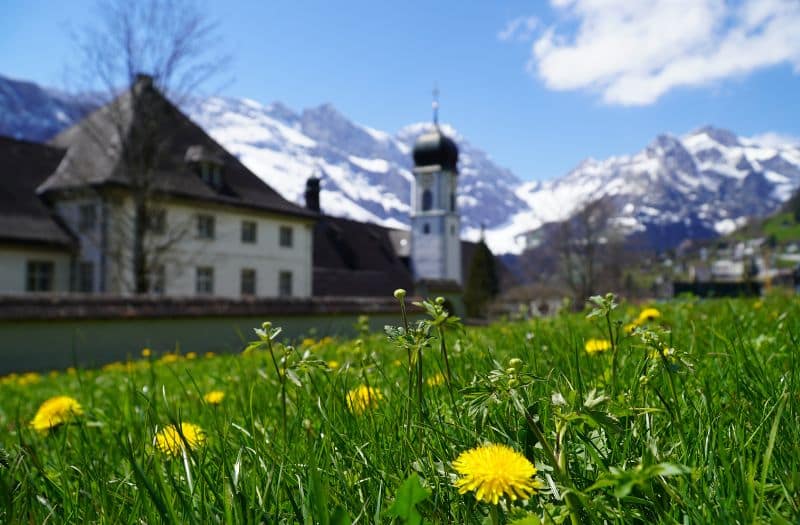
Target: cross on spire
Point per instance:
(435, 105)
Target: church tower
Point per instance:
(435, 224)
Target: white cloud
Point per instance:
(520, 28)
(633, 52)
(775, 140)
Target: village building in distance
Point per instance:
(209, 227)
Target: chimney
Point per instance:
(144, 78)
(312, 194)
(142, 83)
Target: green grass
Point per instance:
(783, 227)
(705, 432)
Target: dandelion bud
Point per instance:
(514, 363)
(399, 294)
(266, 325)
(512, 382)
(440, 300)
(307, 425)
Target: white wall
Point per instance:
(226, 253)
(437, 254)
(14, 262)
(89, 242)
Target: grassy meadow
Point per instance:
(682, 412)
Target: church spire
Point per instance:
(435, 105)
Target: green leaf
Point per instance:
(530, 519)
(319, 498)
(410, 493)
(340, 517)
(293, 377)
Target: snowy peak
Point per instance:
(699, 184)
(702, 184)
(30, 112)
(723, 137)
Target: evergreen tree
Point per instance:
(482, 281)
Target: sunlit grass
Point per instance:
(690, 418)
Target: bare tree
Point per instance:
(588, 248)
(133, 51)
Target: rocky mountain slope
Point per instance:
(698, 185)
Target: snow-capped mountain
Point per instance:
(702, 184)
(28, 111)
(698, 185)
(366, 173)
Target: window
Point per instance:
(249, 229)
(211, 174)
(248, 281)
(204, 280)
(287, 234)
(85, 276)
(157, 221)
(158, 279)
(39, 277)
(452, 202)
(426, 228)
(205, 226)
(285, 284)
(452, 230)
(87, 217)
(427, 200)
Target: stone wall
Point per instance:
(55, 332)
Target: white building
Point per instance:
(136, 198)
(435, 223)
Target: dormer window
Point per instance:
(206, 164)
(211, 174)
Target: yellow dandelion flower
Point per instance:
(595, 346)
(9, 379)
(307, 342)
(757, 305)
(29, 378)
(363, 398)
(168, 440)
(648, 314)
(435, 380)
(191, 355)
(209, 355)
(169, 358)
(666, 353)
(333, 364)
(397, 362)
(214, 397)
(54, 412)
(326, 340)
(630, 327)
(492, 471)
(146, 352)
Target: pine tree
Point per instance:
(482, 281)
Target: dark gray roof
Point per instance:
(24, 218)
(94, 154)
(354, 258)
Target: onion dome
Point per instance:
(436, 149)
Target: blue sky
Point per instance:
(538, 85)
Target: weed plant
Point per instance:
(688, 414)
